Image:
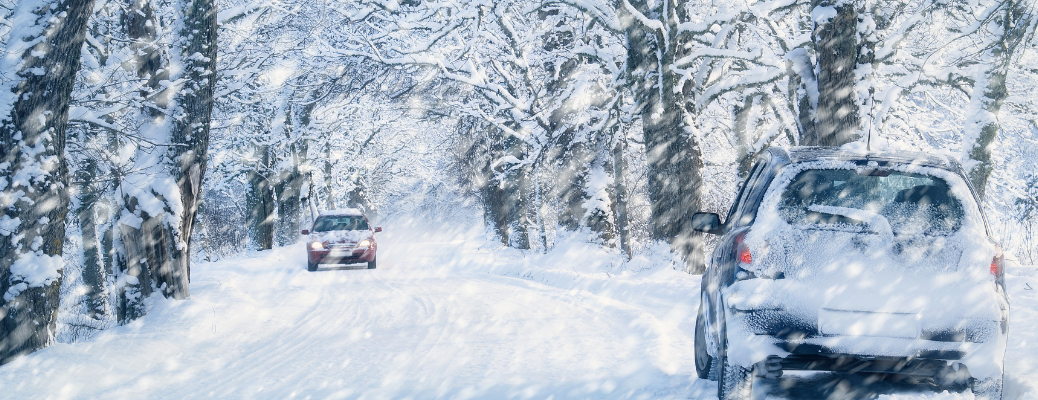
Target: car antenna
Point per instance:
(868, 140)
(872, 121)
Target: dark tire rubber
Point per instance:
(705, 364)
(734, 382)
(986, 389)
(371, 264)
(311, 266)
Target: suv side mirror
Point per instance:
(378, 229)
(306, 232)
(706, 223)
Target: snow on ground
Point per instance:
(443, 316)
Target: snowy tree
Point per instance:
(1008, 26)
(160, 192)
(140, 140)
(42, 47)
(541, 78)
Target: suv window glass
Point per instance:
(340, 223)
(849, 200)
(744, 193)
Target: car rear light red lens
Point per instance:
(744, 255)
(998, 264)
(743, 252)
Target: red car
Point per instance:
(340, 237)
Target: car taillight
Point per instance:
(744, 255)
(998, 265)
(743, 259)
(742, 251)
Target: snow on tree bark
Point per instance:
(43, 57)
(741, 114)
(142, 226)
(161, 196)
(673, 154)
(289, 187)
(1015, 21)
(261, 204)
(621, 196)
(94, 272)
(191, 127)
(836, 49)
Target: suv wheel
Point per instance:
(371, 264)
(986, 389)
(706, 368)
(734, 382)
(311, 266)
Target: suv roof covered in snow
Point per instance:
(801, 154)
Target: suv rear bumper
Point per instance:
(908, 356)
(868, 364)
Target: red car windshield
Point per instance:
(340, 223)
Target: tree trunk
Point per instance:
(542, 229)
(261, 202)
(803, 92)
(599, 200)
(989, 92)
(495, 211)
(836, 48)
(290, 187)
(520, 204)
(191, 129)
(94, 274)
(508, 192)
(329, 182)
(307, 197)
(620, 190)
(742, 135)
(357, 197)
(108, 246)
(290, 196)
(571, 182)
(495, 201)
(674, 157)
(33, 174)
(149, 239)
(143, 250)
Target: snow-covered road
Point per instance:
(437, 319)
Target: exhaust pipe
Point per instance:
(771, 368)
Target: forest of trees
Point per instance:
(139, 135)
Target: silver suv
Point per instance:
(839, 261)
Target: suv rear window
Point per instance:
(340, 223)
(845, 199)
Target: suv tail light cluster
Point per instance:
(998, 265)
(741, 250)
(743, 258)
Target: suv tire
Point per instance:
(986, 389)
(734, 382)
(706, 366)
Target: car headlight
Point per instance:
(316, 246)
(365, 243)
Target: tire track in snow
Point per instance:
(303, 322)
